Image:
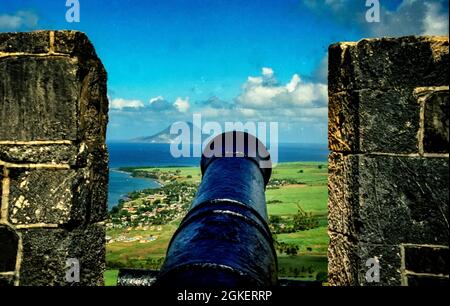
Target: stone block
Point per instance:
(9, 243)
(44, 104)
(435, 138)
(46, 252)
(73, 43)
(343, 122)
(426, 259)
(49, 153)
(44, 196)
(350, 261)
(28, 42)
(427, 281)
(72, 154)
(62, 196)
(342, 260)
(387, 256)
(6, 280)
(343, 193)
(374, 121)
(389, 199)
(93, 105)
(389, 63)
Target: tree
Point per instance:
(274, 219)
(291, 250)
(114, 210)
(322, 276)
(304, 221)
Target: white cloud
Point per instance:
(411, 17)
(267, 71)
(292, 85)
(156, 105)
(435, 21)
(160, 104)
(182, 105)
(13, 22)
(262, 98)
(249, 113)
(123, 103)
(258, 94)
(310, 94)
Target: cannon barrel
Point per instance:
(224, 240)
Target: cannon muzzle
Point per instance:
(224, 240)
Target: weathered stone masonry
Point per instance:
(53, 158)
(388, 170)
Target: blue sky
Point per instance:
(228, 60)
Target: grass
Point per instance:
(313, 241)
(186, 174)
(124, 251)
(305, 267)
(110, 277)
(311, 174)
(311, 195)
(307, 173)
(311, 198)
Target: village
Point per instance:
(150, 209)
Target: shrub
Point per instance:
(322, 276)
(304, 221)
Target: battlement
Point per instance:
(388, 170)
(53, 158)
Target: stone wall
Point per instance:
(53, 158)
(388, 169)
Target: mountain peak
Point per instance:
(164, 136)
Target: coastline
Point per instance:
(298, 189)
(122, 184)
(132, 174)
(163, 175)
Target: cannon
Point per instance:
(224, 240)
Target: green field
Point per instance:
(309, 192)
(111, 277)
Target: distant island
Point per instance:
(164, 136)
(161, 137)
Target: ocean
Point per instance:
(158, 155)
